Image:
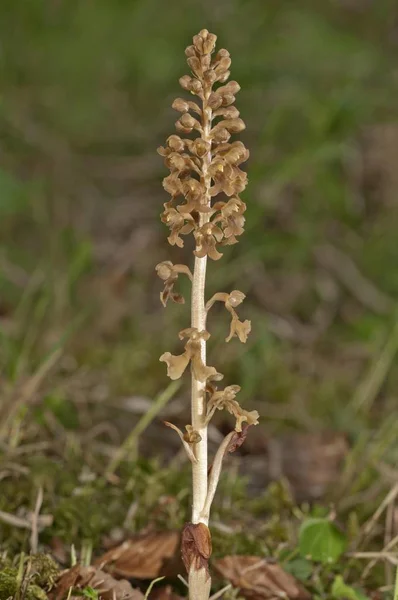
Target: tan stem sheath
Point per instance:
(215, 474)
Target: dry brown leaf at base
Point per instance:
(145, 556)
(165, 592)
(108, 588)
(258, 579)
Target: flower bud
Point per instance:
(223, 65)
(194, 64)
(209, 43)
(210, 77)
(180, 105)
(190, 51)
(190, 84)
(175, 143)
(223, 77)
(215, 100)
(187, 120)
(233, 125)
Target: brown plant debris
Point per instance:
(196, 546)
(78, 577)
(144, 556)
(165, 592)
(258, 579)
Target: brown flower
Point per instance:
(179, 224)
(191, 436)
(227, 178)
(176, 365)
(169, 273)
(235, 153)
(206, 238)
(226, 399)
(231, 218)
(194, 193)
(224, 95)
(239, 328)
(174, 144)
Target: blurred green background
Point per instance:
(86, 89)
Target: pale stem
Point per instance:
(198, 320)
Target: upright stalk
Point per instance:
(198, 320)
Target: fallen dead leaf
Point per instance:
(164, 593)
(79, 577)
(145, 556)
(258, 579)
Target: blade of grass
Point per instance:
(367, 391)
(130, 443)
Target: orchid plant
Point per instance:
(204, 183)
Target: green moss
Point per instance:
(10, 586)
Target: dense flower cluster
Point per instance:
(208, 165)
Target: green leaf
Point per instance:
(90, 592)
(321, 540)
(301, 568)
(342, 591)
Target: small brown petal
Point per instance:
(239, 329)
(176, 365)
